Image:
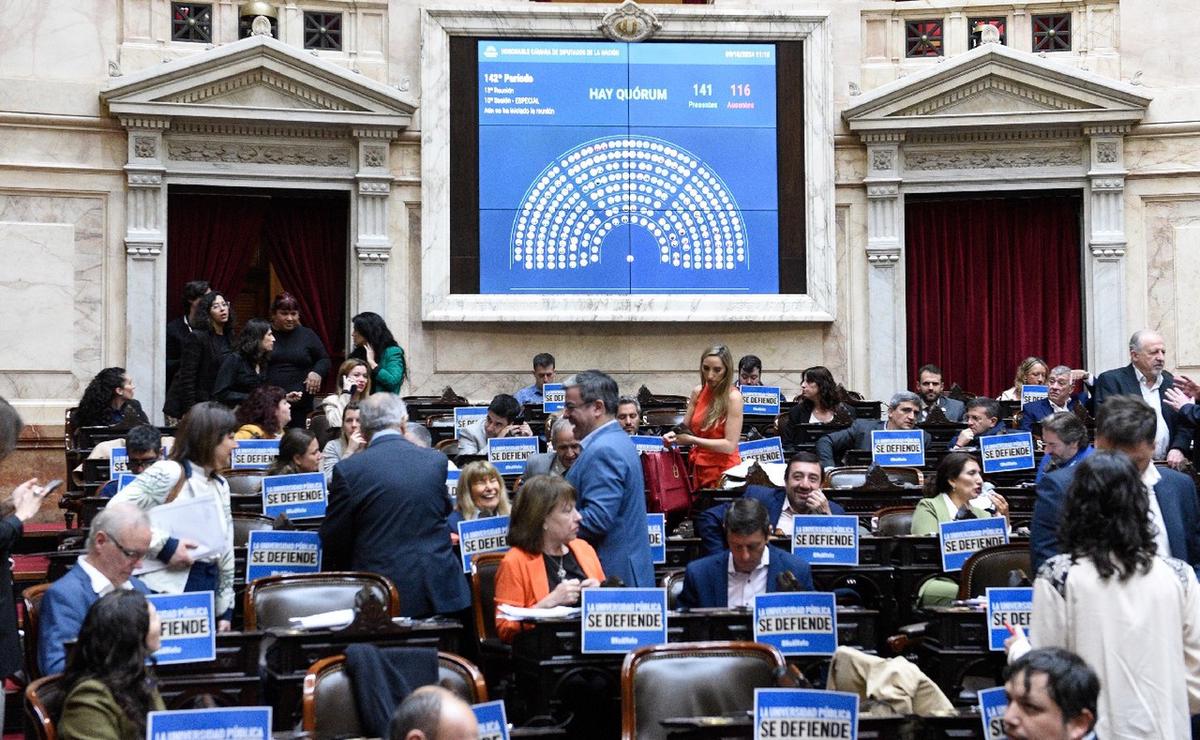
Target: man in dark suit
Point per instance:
(119, 537)
(929, 388)
(751, 565)
(1065, 443)
(387, 514)
(801, 495)
(983, 420)
(608, 477)
(902, 414)
(1146, 378)
(562, 455)
(180, 327)
(1060, 383)
(1128, 425)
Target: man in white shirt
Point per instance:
(119, 538)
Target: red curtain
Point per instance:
(991, 281)
(211, 237)
(306, 244)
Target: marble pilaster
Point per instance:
(885, 278)
(1105, 265)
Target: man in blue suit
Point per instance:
(608, 476)
(751, 565)
(902, 414)
(801, 495)
(1059, 384)
(119, 538)
(1126, 424)
(387, 514)
(1065, 442)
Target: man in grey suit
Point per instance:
(929, 388)
(902, 414)
(564, 449)
(608, 477)
(387, 514)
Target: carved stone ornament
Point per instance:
(373, 156)
(235, 153)
(144, 147)
(1106, 152)
(374, 257)
(881, 159)
(630, 22)
(260, 26)
(979, 159)
(989, 34)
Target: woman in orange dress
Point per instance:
(713, 418)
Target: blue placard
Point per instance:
(769, 450)
(124, 479)
(1013, 606)
(118, 462)
(244, 723)
(554, 398)
(762, 400)
(825, 540)
(797, 622)
(805, 713)
(1031, 393)
(898, 447)
(271, 553)
(477, 536)
(620, 620)
(992, 705)
(493, 723)
(509, 454)
(254, 454)
(656, 527)
(960, 540)
(1003, 452)
(300, 495)
(189, 627)
(465, 416)
(647, 443)
(452, 483)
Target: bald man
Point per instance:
(433, 713)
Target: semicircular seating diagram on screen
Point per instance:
(641, 181)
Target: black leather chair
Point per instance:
(329, 709)
(244, 482)
(244, 523)
(991, 568)
(44, 699)
(270, 602)
(691, 680)
(483, 594)
(32, 597)
(673, 583)
(893, 521)
(855, 476)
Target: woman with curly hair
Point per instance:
(375, 345)
(108, 402)
(820, 400)
(713, 419)
(245, 367)
(110, 689)
(264, 414)
(204, 350)
(1121, 604)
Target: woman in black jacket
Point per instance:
(245, 367)
(203, 351)
(107, 402)
(299, 361)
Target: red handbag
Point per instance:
(668, 485)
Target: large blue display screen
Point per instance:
(627, 168)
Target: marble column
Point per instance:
(145, 263)
(369, 217)
(885, 271)
(1105, 226)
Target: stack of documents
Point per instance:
(521, 614)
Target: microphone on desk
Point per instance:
(787, 582)
(612, 582)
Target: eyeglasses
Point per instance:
(135, 464)
(131, 554)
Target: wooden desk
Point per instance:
(955, 648)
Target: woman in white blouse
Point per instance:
(203, 443)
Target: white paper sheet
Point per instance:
(325, 620)
(197, 519)
(520, 614)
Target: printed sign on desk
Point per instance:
(898, 447)
(647, 443)
(300, 495)
(124, 479)
(797, 622)
(554, 398)
(769, 450)
(805, 713)
(960, 540)
(760, 400)
(189, 628)
(272, 553)
(509, 454)
(254, 454)
(825, 540)
(493, 724)
(452, 483)
(992, 704)
(1013, 606)
(243, 723)
(620, 620)
(1004, 452)
(476, 536)
(118, 462)
(1031, 393)
(465, 416)
(656, 527)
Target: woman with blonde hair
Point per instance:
(713, 421)
(481, 494)
(1031, 371)
(353, 385)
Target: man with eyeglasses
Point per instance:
(143, 448)
(119, 538)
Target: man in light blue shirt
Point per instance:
(543, 373)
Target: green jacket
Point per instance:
(91, 713)
(389, 373)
